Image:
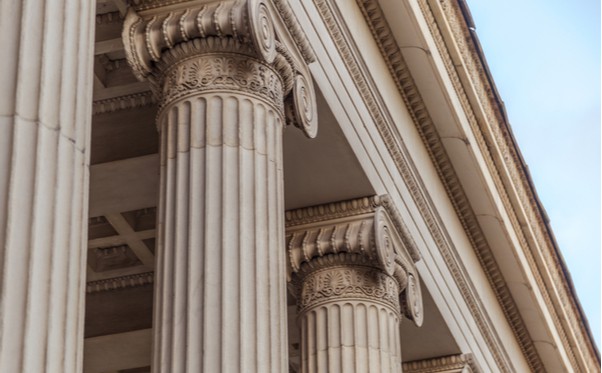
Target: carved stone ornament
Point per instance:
(411, 300)
(361, 233)
(215, 72)
(194, 46)
(332, 284)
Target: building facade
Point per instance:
(268, 186)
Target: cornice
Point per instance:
(491, 133)
(409, 91)
(398, 151)
(122, 282)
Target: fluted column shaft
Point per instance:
(221, 289)
(349, 319)
(45, 114)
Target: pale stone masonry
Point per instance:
(169, 203)
(45, 116)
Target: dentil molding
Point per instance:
(122, 282)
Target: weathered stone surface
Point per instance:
(45, 115)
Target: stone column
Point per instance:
(349, 262)
(45, 115)
(227, 86)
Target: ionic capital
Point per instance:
(159, 35)
(366, 232)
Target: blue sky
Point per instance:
(544, 56)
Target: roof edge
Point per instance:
(530, 186)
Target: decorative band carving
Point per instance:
(336, 284)
(411, 300)
(219, 72)
(135, 100)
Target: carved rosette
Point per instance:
(189, 47)
(358, 249)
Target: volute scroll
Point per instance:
(148, 34)
(156, 31)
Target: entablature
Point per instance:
(433, 56)
(469, 174)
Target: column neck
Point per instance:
(333, 283)
(217, 65)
